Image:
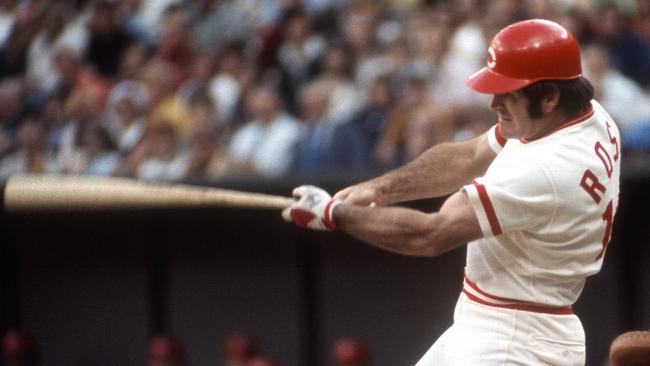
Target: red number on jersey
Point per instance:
(608, 217)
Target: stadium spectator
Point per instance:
(13, 54)
(353, 143)
(12, 92)
(358, 28)
(311, 155)
(73, 75)
(81, 111)
(56, 35)
(127, 102)
(165, 106)
(413, 124)
(175, 44)
(201, 72)
(8, 11)
(128, 16)
(336, 68)
(264, 145)
(203, 112)
(464, 55)
(132, 61)
(107, 41)
(208, 159)
(53, 52)
(162, 158)
(227, 84)
(147, 17)
(640, 21)
(215, 23)
(30, 155)
(52, 117)
(471, 122)
(99, 151)
(300, 50)
(625, 100)
(208, 156)
(628, 51)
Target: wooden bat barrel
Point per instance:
(33, 193)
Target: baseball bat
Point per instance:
(28, 193)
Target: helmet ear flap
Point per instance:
(526, 52)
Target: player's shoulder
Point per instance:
(520, 163)
(604, 117)
(599, 110)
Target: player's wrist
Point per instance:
(328, 215)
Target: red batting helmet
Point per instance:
(240, 347)
(525, 52)
(164, 348)
(349, 352)
(17, 345)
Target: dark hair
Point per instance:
(575, 95)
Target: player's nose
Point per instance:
(496, 103)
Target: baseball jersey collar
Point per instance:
(588, 113)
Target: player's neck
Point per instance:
(546, 124)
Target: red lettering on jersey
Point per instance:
(591, 184)
(612, 139)
(605, 158)
(608, 217)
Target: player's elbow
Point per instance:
(453, 226)
(438, 237)
(432, 243)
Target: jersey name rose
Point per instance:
(592, 185)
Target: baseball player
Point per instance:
(534, 198)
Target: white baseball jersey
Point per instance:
(546, 209)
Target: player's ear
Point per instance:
(550, 101)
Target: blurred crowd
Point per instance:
(207, 89)
(20, 348)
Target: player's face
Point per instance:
(512, 110)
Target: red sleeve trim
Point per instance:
(500, 139)
(489, 209)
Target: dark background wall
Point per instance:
(92, 287)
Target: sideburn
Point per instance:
(535, 94)
(535, 109)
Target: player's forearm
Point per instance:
(439, 171)
(395, 229)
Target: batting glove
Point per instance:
(313, 210)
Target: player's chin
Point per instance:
(507, 130)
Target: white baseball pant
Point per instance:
(484, 335)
